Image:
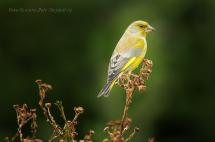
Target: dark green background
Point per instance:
(71, 51)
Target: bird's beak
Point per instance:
(150, 28)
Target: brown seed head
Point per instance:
(79, 110)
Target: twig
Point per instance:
(136, 129)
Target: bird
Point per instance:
(128, 53)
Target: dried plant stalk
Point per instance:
(68, 132)
(128, 82)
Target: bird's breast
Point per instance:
(142, 46)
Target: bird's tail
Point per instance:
(106, 89)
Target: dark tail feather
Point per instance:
(105, 91)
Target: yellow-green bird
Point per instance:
(128, 53)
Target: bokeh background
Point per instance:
(71, 51)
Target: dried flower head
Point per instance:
(48, 105)
(43, 88)
(79, 110)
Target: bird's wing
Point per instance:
(116, 64)
(121, 60)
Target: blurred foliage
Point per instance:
(72, 51)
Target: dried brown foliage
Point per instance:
(67, 133)
(24, 116)
(128, 82)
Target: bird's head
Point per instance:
(140, 27)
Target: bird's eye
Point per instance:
(142, 26)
